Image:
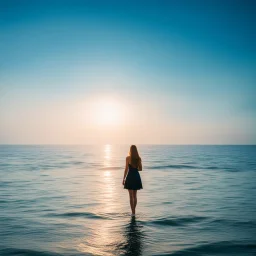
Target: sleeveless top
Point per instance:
(133, 179)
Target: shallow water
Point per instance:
(69, 200)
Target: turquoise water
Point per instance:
(69, 200)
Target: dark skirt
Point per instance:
(133, 180)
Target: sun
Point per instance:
(109, 112)
(106, 112)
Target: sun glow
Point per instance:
(106, 112)
(101, 119)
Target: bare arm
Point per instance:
(140, 165)
(126, 169)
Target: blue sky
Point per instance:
(186, 67)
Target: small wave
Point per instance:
(77, 214)
(223, 247)
(184, 166)
(231, 169)
(6, 164)
(173, 166)
(4, 201)
(5, 184)
(167, 202)
(249, 223)
(72, 163)
(110, 168)
(26, 252)
(212, 168)
(177, 221)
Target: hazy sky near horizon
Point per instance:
(146, 72)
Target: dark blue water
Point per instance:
(69, 200)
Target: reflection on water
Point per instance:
(108, 187)
(110, 238)
(134, 238)
(107, 155)
(102, 241)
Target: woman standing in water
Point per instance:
(132, 181)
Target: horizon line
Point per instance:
(123, 144)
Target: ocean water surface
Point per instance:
(69, 200)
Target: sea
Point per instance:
(69, 200)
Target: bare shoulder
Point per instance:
(127, 158)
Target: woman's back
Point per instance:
(131, 168)
(135, 163)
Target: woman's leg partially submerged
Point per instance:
(134, 199)
(131, 201)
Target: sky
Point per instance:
(127, 72)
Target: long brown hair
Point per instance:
(135, 157)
